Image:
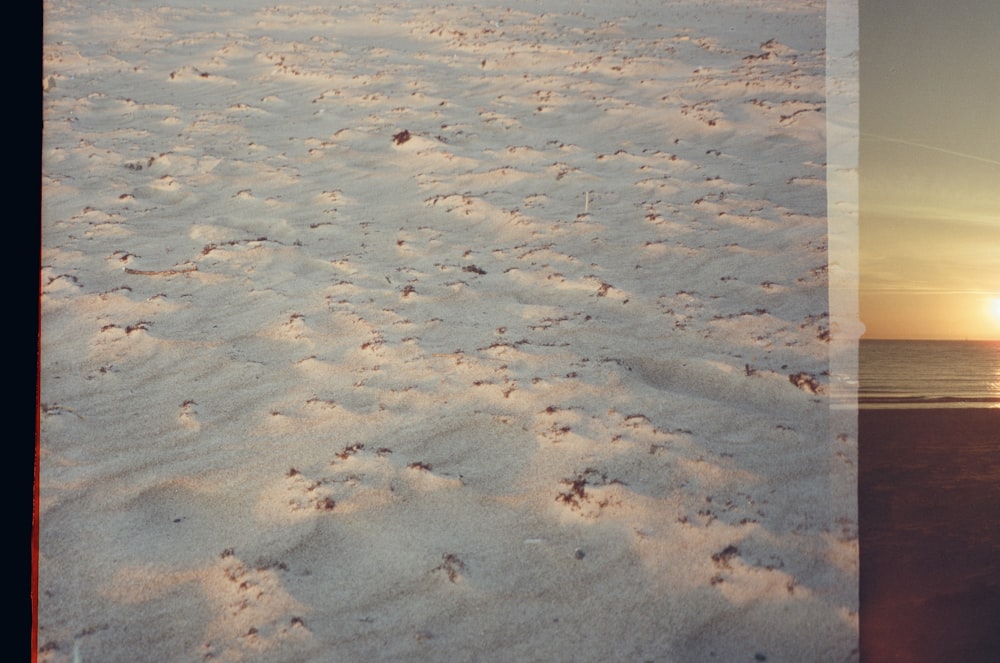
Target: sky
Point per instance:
(930, 169)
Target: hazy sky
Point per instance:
(930, 168)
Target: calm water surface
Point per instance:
(928, 374)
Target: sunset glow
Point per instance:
(930, 159)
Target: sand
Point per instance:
(930, 513)
(420, 333)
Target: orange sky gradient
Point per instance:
(929, 222)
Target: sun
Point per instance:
(995, 309)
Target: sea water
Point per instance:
(929, 500)
(928, 374)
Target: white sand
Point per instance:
(515, 389)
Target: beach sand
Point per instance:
(421, 333)
(930, 511)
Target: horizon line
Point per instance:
(947, 340)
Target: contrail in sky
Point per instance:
(932, 147)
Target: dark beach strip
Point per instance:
(929, 509)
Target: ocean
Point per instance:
(928, 374)
(929, 500)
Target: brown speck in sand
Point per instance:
(806, 382)
(723, 557)
(350, 451)
(451, 565)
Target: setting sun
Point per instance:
(928, 200)
(958, 316)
